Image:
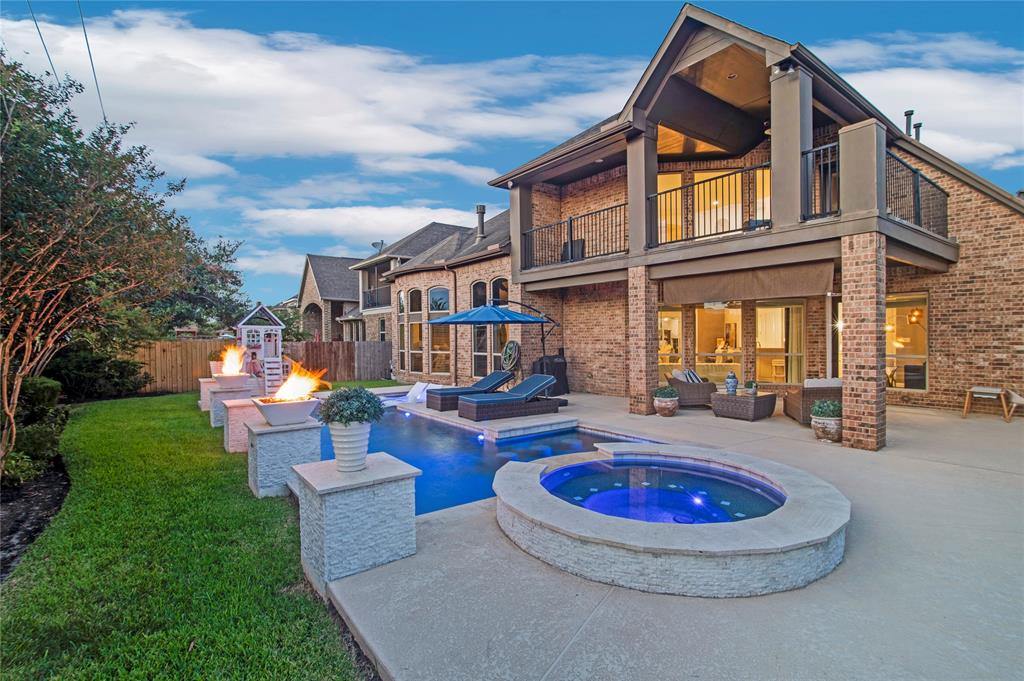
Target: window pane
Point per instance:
(416, 337)
(382, 331)
(415, 300)
(439, 338)
(906, 341)
(718, 339)
(479, 294)
(401, 302)
(438, 300)
(780, 343)
(416, 362)
(480, 339)
(670, 341)
(479, 365)
(500, 334)
(499, 290)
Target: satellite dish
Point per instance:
(379, 245)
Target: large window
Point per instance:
(670, 341)
(499, 291)
(401, 330)
(780, 342)
(906, 341)
(440, 334)
(480, 352)
(416, 331)
(500, 336)
(718, 344)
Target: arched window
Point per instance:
(401, 330)
(479, 298)
(401, 302)
(499, 291)
(440, 334)
(416, 330)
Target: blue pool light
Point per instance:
(407, 414)
(698, 501)
(480, 437)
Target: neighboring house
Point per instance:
(375, 299)
(467, 269)
(747, 210)
(328, 295)
(291, 303)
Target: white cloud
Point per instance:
(354, 226)
(326, 189)
(271, 261)
(918, 50)
(404, 165)
(203, 94)
(1006, 162)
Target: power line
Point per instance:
(53, 69)
(91, 63)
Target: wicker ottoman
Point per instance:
(743, 406)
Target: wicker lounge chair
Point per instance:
(447, 399)
(521, 400)
(798, 400)
(693, 394)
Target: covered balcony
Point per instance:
(377, 297)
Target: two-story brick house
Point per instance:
(748, 210)
(328, 294)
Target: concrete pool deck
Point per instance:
(932, 586)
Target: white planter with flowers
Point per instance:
(349, 414)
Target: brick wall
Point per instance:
(594, 320)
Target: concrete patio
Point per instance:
(932, 586)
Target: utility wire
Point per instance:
(53, 69)
(91, 63)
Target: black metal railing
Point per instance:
(819, 179)
(601, 232)
(377, 297)
(912, 197)
(736, 202)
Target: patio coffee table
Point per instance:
(743, 405)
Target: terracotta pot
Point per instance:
(666, 406)
(827, 429)
(351, 443)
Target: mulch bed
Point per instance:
(26, 510)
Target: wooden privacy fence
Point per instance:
(176, 366)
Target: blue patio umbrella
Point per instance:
(499, 314)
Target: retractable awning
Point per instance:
(780, 281)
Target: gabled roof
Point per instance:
(462, 247)
(333, 277)
(261, 310)
(414, 244)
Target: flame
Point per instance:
(300, 383)
(232, 358)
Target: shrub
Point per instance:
(86, 374)
(41, 439)
(667, 392)
(827, 409)
(20, 468)
(214, 355)
(353, 405)
(38, 396)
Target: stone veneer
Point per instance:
(274, 450)
(237, 415)
(217, 397)
(352, 521)
(204, 392)
(794, 545)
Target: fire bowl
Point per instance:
(285, 412)
(231, 381)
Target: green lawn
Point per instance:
(162, 563)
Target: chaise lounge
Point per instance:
(447, 399)
(521, 400)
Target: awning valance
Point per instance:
(781, 281)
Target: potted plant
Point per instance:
(215, 363)
(666, 401)
(827, 420)
(348, 415)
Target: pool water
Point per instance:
(458, 467)
(662, 491)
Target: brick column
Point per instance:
(748, 339)
(689, 337)
(642, 341)
(864, 341)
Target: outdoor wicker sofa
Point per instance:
(447, 399)
(798, 400)
(521, 400)
(693, 394)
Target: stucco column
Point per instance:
(862, 169)
(864, 341)
(641, 182)
(792, 133)
(642, 341)
(748, 339)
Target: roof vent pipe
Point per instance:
(917, 131)
(480, 210)
(909, 113)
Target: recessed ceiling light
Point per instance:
(731, 76)
(599, 160)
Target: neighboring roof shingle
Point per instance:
(422, 239)
(334, 279)
(460, 246)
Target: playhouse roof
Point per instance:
(262, 310)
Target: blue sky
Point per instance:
(321, 127)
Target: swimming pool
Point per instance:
(458, 467)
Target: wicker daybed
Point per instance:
(521, 400)
(447, 399)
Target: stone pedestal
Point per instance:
(237, 415)
(273, 450)
(351, 522)
(204, 392)
(217, 398)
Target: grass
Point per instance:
(162, 564)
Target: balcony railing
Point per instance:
(732, 203)
(377, 297)
(911, 197)
(819, 178)
(602, 232)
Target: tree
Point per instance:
(291, 317)
(86, 236)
